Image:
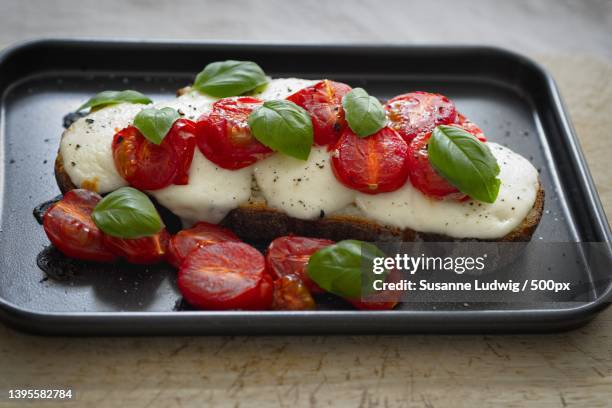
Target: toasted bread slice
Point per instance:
(256, 221)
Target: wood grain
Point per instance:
(572, 39)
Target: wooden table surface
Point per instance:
(572, 39)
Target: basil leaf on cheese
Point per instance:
(114, 97)
(154, 124)
(364, 113)
(466, 162)
(229, 78)
(283, 126)
(345, 268)
(127, 213)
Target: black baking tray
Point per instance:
(514, 100)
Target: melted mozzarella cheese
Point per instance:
(212, 192)
(283, 87)
(86, 147)
(190, 105)
(409, 208)
(302, 189)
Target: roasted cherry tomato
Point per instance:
(147, 166)
(373, 305)
(201, 234)
(415, 113)
(290, 293)
(229, 275)
(422, 174)
(289, 255)
(224, 136)
(145, 250)
(373, 164)
(469, 126)
(386, 300)
(323, 101)
(69, 226)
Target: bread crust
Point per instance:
(257, 222)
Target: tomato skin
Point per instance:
(422, 174)
(145, 250)
(201, 234)
(182, 136)
(469, 126)
(70, 228)
(386, 300)
(419, 112)
(372, 165)
(147, 166)
(224, 136)
(290, 293)
(323, 101)
(373, 305)
(289, 255)
(224, 276)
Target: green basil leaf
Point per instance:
(113, 97)
(364, 113)
(127, 213)
(339, 268)
(283, 126)
(229, 78)
(466, 162)
(155, 124)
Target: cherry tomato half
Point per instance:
(290, 293)
(201, 234)
(229, 275)
(224, 136)
(289, 255)
(418, 112)
(422, 174)
(469, 126)
(145, 250)
(70, 228)
(147, 166)
(386, 300)
(373, 164)
(323, 101)
(373, 305)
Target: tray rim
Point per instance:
(93, 323)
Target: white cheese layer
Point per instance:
(283, 87)
(86, 147)
(190, 105)
(409, 208)
(302, 189)
(212, 192)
